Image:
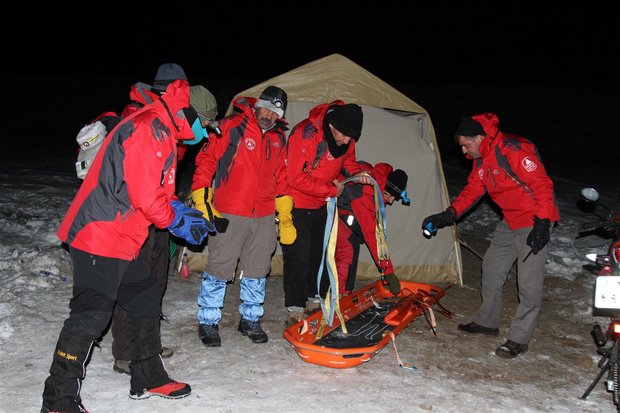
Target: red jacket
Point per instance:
(358, 200)
(512, 173)
(310, 170)
(245, 166)
(131, 181)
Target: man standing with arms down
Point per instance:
(509, 169)
(235, 185)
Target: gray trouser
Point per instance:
(506, 247)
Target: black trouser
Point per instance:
(98, 282)
(302, 258)
(158, 257)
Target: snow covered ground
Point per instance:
(455, 373)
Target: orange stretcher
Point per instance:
(373, 316)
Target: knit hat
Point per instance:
(396, 183)
(347, 119)
(274, 99)
(203, 102)
(166, 74)
(469, 127)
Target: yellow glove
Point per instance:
(205, 205)
(284, 206)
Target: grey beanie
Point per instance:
(166, 74)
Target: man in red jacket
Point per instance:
(129, 187)
(235, 185)
(508, 169)
(319, 149)
(357, 224)
(157, 242)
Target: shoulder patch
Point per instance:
(529, 164)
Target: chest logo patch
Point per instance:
(480, 173)
(529, 164)
(171, 175)
(250, 143)
(329, 157)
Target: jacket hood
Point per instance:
(490, 124)
(380, 172)
(176, 99)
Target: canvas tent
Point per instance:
(398, 131)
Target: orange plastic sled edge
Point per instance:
(412, 301)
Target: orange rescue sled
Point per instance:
(370, 314)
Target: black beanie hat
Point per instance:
(166, 74)
(347, 119)
(469, 127)
(396, 183)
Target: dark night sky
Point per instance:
(434, 41)
(544, 67)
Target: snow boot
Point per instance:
(209, 335)
(253, 330)
(170, 390)
(121, 366)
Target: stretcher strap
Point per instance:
(331, 304)
(407, 366)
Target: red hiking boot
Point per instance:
(171, 390)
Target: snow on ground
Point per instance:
(455, 373)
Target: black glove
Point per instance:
(440, 220)
(392, 282)
(539, 237)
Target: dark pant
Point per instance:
(98, 282)
(158, 253)
(302, 258)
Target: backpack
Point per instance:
(90, 138)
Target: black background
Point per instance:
(547, 69)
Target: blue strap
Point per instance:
(328, 315)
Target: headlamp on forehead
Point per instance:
(277, 103)
(399, 194)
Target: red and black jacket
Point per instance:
(512, 173)
(131, 181)
(245, 166)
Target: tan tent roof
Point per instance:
(396, 130)
(336, 77)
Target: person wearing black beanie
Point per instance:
(507, 168)
(357, 224)
(320, 147)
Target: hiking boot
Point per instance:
(80, 408)
(121, 366)
(510, 349)
(166, 352)
(170, 390)
(294, 317)
(253, 330)
(473, 328)
(209, 334)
